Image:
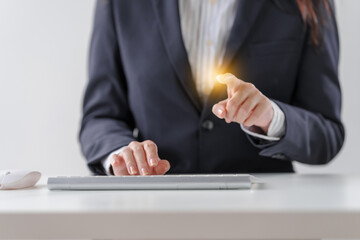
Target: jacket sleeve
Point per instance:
(314, 131)
(107, 122)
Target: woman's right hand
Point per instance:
(139, 158)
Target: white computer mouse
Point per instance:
(18, 179)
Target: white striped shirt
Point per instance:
(205, 27)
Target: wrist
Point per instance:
(265, 129)
(267, 121)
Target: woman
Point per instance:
(152, 93)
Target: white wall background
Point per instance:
(43, 58)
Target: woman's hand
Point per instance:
(139, 158)
(245, 104)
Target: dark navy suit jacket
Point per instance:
(140, 77)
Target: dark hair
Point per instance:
(313, 15)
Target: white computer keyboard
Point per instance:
(154, 182)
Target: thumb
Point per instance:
(219, 109)
(162, 167)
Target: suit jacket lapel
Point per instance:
(167, 14)
(247, 13)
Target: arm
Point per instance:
(107, 122)
(314, 132)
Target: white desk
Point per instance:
(289, 206)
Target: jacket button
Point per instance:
(208, 125)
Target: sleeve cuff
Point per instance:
(277, 125)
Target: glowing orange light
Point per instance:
(212, 78)
(210, 82)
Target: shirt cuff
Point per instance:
(276, 129)
(106, 162)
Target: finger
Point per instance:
(234, 103)
(246, 108)
(162, 167)
(118, 165)
(129, 161)
(151, 153)
(255, 117)
(228, 79)
(232, 83)
(219, 109)
(139, 155)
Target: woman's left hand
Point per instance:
(245, 104)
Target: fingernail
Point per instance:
(132, 170)
(220, 111)
(153, 162)
(113, 161)
(144, 171)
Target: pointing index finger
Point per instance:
(228, 79)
